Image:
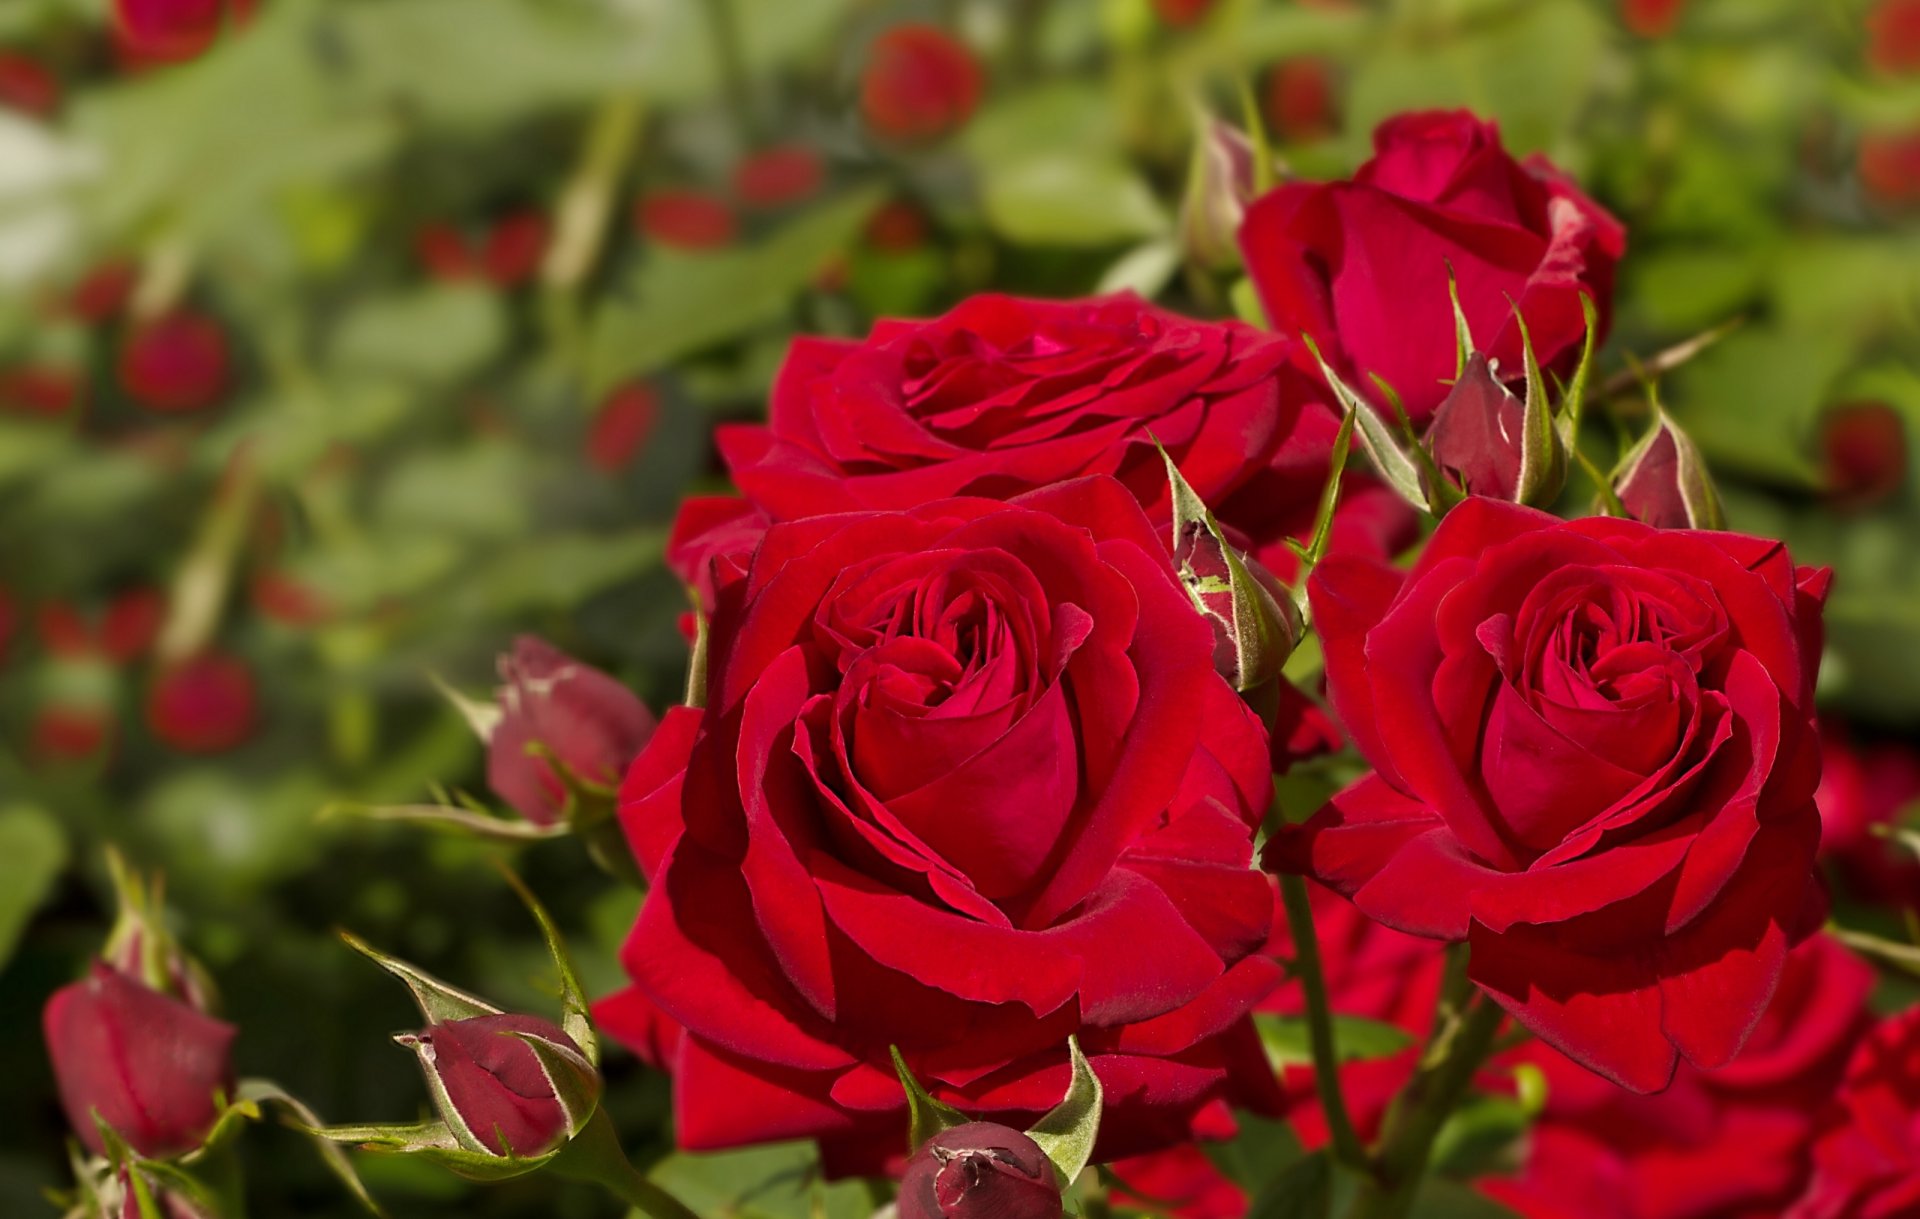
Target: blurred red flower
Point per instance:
(42, 390)
(175, 363)
(1865, 788)
(920, 83)
(621, 426)
(685, 219)
(1300, 99)
(203, 705)
(1864, 449)
(1893, 36)
(25, 84)
(1651, 18)
(169, 30)
(776, 177)
(1890, 167)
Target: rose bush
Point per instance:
(1362, 265)
(1595, 760)
(957, 767)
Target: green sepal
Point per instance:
(926, 1116)
(574, 1019)
(697, 659)
(451, 819)
(257, 1092)
(1576, 397)
(576, 1085)
(1262, 629)
(1068, 1131)
(1322, 536)
(1393, 461)
(1543, 454)
(1463, 348)
(434, 1142)
(482, 717)
(438, 1001)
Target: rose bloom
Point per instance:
(1002, 395)
(959, 769)
(1595, 760)
(1863, 788)
(1866, 1162)
(1362, 265)
(1726, 1144)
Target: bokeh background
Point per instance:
(339, 348)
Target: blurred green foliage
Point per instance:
(412, 453)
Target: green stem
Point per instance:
(1458, 1049)
(1326, 1058)
(594, 1155)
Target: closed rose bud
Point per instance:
(1220, 181)
(131, 623)
(777, 177)
(980, 1170)
(685, 219)
(442, 251)
(920, 84)
(175, 363)
(514, 248)
(590, 723)
(103, 293)
(203, 705)
(148, 1065)
(496, 1092)
(1864, 449)
(1664, 483)
(1478, 438)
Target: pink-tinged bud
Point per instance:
(980, 1170)
(920, 84)
(289, 600)
(205, 704)
(27, 86)
(167, 30)
(685, 219)
(590, 723)
(779, 177)
(175, 363)
(514, 248)
(1664, 483)
(1893, 36)
(493, 1089)
(150, 1066)
(1220, 182)
(621, 427)
(1864, 449)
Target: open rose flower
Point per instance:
(1595, 760)
(1361, 265)
(1726, 1144)
(1866, 1162)
(966, 782)
(1003, 395)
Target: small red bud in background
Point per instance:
(165, 31)
(175, 363)
(131, 623)
(1300, 99)
(103, 293)
(590, 723)
(1893, 36)
(148, 1064)
(62, 630)
(288, 601)
(1663, 482)
(514, 248)
(621, 427)
(1864, 451)
(442, 251)
(920, 84)
(779, 176)
(1651, 18)
(492, 1088)
(41, 391)
(27, 86)
(685, 219)
(980, 1170)
(897, 227)
(63, 733)
(1181, 12)
(1890, 167)
(203, 705)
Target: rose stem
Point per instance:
(594, 1155)
(1313, 981)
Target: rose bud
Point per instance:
(1651, 18)
(167, 30)
(778, 177)
(147, 1065)
(1893, 36)
(27, 86)
(1890, 167)
(496, 1092)
(621, 427)
(1663, 482)
(203, 705)
(1220, 183)
(64, 732)
(514, 247)
(1300, 99)
(44, 391)
(684, 219)
(590, 724)
(103, 293)
(920, 84)
(980, 1170)
(1479, 439)
(175, 363)
(1865, 452)
(442, 250)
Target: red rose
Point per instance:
(1362, 265)
(1864, 445)
(1725, 1144)
(779, 176)
(1002, 395)
(1864, 788)
(685, 219)
(920, 83)
(1595, 759)
(1866, 1163)
(203, 705)
(1180, 1182)
(622, 426)
(175, 363)
(147, 1063)
(956, 766)
(165, 30)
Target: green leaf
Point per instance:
(437, 333)
(1322, 535)
(1355, 1038)
(1067, 1131)
(1441, 1198)
(1068, 197)
(677, 304)
(1303, 1191)
(1260, 1152)
(438, 1001)
(926, 1116)
(1481, 1136)
(772, 1181)
(33, 853)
